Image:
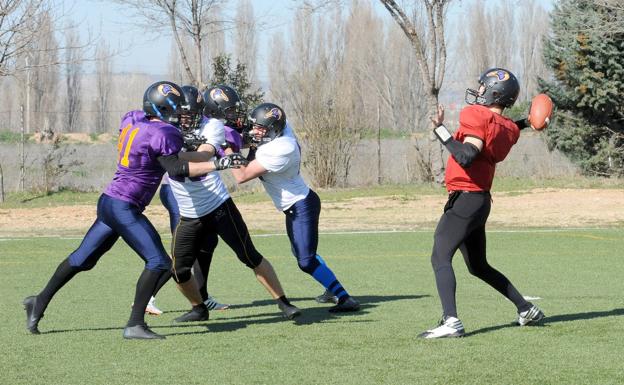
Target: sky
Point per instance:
(145, 51)
(148, 52)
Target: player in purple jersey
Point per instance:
(148, 145)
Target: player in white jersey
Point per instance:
(277, 163)
(206, 208)
(189, 123)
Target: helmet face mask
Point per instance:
(272, 118)
(192, 110)
(497, 86)
(164, 100)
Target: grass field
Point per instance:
(577, 273)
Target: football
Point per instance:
(540, 111)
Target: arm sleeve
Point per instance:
(174, 166)
(464, 153)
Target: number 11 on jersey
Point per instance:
(125, 143)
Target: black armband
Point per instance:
(174, 166)
(464, 153)
(522, 123)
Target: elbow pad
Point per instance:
(464, 153)
(174, 166)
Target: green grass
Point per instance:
(578, 274)
(510, 185)
(12, 136)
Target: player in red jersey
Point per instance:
(483, 139)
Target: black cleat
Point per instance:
(327, 297)
(32, 321)
(194, 315)
(289, 311)
(349, 304)
(141, 332)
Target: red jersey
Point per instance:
(498, 134)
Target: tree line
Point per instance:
(345, 70)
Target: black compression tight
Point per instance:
(462, 227)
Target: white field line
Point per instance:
(364, 232)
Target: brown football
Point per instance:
(540, 111)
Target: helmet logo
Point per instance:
(273, 113)
(219, 92)
(166, 89)
(499, 74)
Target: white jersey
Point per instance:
(281, 157)
(200, 196)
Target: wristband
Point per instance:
(442, 133)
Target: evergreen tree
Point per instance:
(237, 78)
(587, 88)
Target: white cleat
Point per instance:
(151, 307)
(212, 304)
(533, 315)
(450, 327)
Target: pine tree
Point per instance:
(587, 88)
(237, 78)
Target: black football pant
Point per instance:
(462, 226)
(194, 235)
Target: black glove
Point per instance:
(193, 141)
(234, 160)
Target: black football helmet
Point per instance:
(164, 100)
(223, 102)
(271, 117)
(192, 110)
(496, 86)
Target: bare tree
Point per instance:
(316, 92)
(529, 45)
(192, 19)
(73, 79)
(17, 30)
(103, 86)
(428, 43)
(41, 76)
(246, 37)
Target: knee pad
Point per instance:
(252, 260)
(181, 273)
(308, 264)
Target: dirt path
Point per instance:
(537, 208)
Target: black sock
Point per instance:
(63, 274)
(283, 301)
(200, 308)
(161, 282)
(144, 289)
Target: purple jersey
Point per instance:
(140, 143)
(233, 138)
